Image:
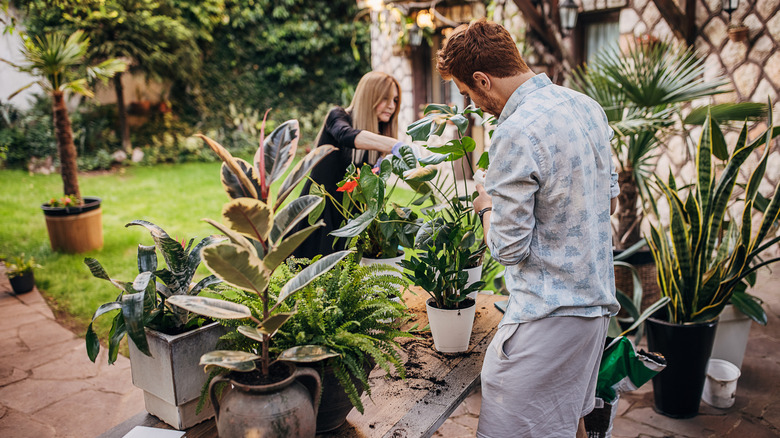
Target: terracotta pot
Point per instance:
(738, 33)
(75, 229)
(285, 409)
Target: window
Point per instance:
(595, 31)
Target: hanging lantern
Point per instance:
(568, 11)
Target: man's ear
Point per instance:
(482, 80)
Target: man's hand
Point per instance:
(483, 200)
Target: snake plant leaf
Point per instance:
(279, 253)
(236, 266)
(233, 185)
(234, 237)
(289, 216)
(172, 251)
(272, 323)
(750, 306)
(420, 174)
(308, 274)
(250, 217)
(204, 283)
(241, 361)
(279, 149)
(299, 172)
(133, 314)
(232, 164)
(147, 258)
(307, 354)
(211, 307)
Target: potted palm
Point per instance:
(166, 341)
(267, 397)
(703, 260)
(446, 244)
(59, 64)
(348, 311)
(379, 226)
(641, 87)
(21, 273)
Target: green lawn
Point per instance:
(175, 197)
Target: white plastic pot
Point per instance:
(451, 329)
(394, 262)
(475, 274)
(720, 388)
(731, 337)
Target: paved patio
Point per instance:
(49, 388)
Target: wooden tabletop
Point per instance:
(436, 383)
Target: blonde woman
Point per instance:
(362, 133)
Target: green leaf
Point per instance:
(420, 174)
(232, 164)
(93, 344)
(251, 332)
(300, 171)
(133, 314)
(172, 251)
(240, 361)
(311, 272)
(484, 160)
(233, 185)
(356, 225)
(278, 254)
(248, 216)
(234, 237)
(211, 307)
(236, 266)
(279, 149)
(750, 306)
(273, 322)
(434, 159)
(289, 216)
(147, 258)
(307, 354)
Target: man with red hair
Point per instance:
(545, 207)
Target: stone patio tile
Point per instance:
(7, 298)
(11, 375)
(11, 344)
(27, 360)
(747, 428)
(42, 334)
(97, 412)
(18, 425)
(114, 379)
(12, 317)
(460, 410)
(73, 365)
(626, 428)
(473, 402)
(469, 421)
(452, 430)
(29, 396)
(772, 415)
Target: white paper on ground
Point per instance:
(151, 432)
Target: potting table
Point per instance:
(436, 383)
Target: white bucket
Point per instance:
(475, 274)
(395, 262)
(720, 388)
(451, 329)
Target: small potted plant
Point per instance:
(704, 261)
(166, 340)
(21, 273)
(447, 243)
(738, 32)
(380, 227)
(58, 62)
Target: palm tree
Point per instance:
(641, 88)
(58, 63)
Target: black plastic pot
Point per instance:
(23, 283)
(686, 347)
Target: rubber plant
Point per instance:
(257, 227)
(704, 259)
(144, 302)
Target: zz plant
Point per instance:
(704, 258)
(144, 301)
(257, 228)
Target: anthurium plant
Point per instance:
(447, 243)
(144, 301)
(257, 227)
(379, 225)
(704, 257)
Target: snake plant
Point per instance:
(705, 257)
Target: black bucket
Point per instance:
(687, 348)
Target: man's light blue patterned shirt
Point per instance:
(551, 177)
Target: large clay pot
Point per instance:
(687, 347)
(285, 409)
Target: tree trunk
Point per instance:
(121, 112)
(67, 150)
(629, 231)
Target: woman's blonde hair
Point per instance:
(374, 87)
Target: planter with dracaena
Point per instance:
(268, 395)
(706, 258)
(165, 340)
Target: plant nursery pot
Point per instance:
(451, 328)
(738, 33)
(285, 409)
(475, 274)
(394, 262)
(677, 389)
(75, 229)
(23, 283)
(334, 404)
(172, 378)
(731, 337)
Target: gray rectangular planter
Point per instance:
(172, 379)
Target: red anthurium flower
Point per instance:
(348, 187)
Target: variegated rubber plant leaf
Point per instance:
(237, 267)
(232, 164)
(211, 307)
(292, 213)
(241, 361)
(279, 149)
(233, 185)
(300, 171)
(250, 217)
(307, 354)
